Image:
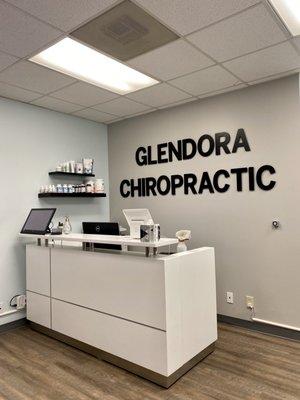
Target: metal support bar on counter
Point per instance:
(90, 242)
(86, 246)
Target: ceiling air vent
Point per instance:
(124, 32)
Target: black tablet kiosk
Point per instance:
(38, 221)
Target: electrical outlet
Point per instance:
(229, 297)
(250, 302)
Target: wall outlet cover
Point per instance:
(229, 297)
(250, 302)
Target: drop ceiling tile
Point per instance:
(64, 14)
(249, 31)
(132, 116)
(16, 93)
(273, 60)
(34, 77)
(226, 90)
(178, 103)
(114, 120)
(94, 115)
(84, 94)
(6, 60)
(186, 16)
(207, 80)
(121, 107)
(56, 104)
(158, 95)
(296, 42)
(276, 76)
(150, 110)
(172, 60)
(22, 34)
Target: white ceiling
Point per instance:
(224, 45)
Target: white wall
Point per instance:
(33, 141)
(251, 257)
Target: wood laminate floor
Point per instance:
(245, 365)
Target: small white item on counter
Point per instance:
(67, 228)
(183, 236)
(150, 232)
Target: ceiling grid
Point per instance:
(220, 47)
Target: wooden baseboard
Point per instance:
(161, 380)
(260, 327)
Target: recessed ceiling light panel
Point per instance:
(81, 62)
(289, 11)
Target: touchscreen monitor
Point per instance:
(38, 221)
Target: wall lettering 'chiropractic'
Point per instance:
(241, 178)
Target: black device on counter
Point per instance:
(102, 228)
(38, 221)
(56, 231)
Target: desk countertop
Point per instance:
(104, 239)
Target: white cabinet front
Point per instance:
(130, 287)
(133, 342)
(38, 269)
(38, 309)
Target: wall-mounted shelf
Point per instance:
(86, 195)
(61, 173)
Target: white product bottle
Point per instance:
(99, 186)
(67, 228)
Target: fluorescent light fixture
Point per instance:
(81, 62)
(289, 11)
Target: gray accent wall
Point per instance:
(251, 257)
(33, 141)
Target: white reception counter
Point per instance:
(154, 316)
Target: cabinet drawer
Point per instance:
(133, 342)
(126, 286)
(38, 309)
(38, 269)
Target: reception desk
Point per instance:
(154, 316)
